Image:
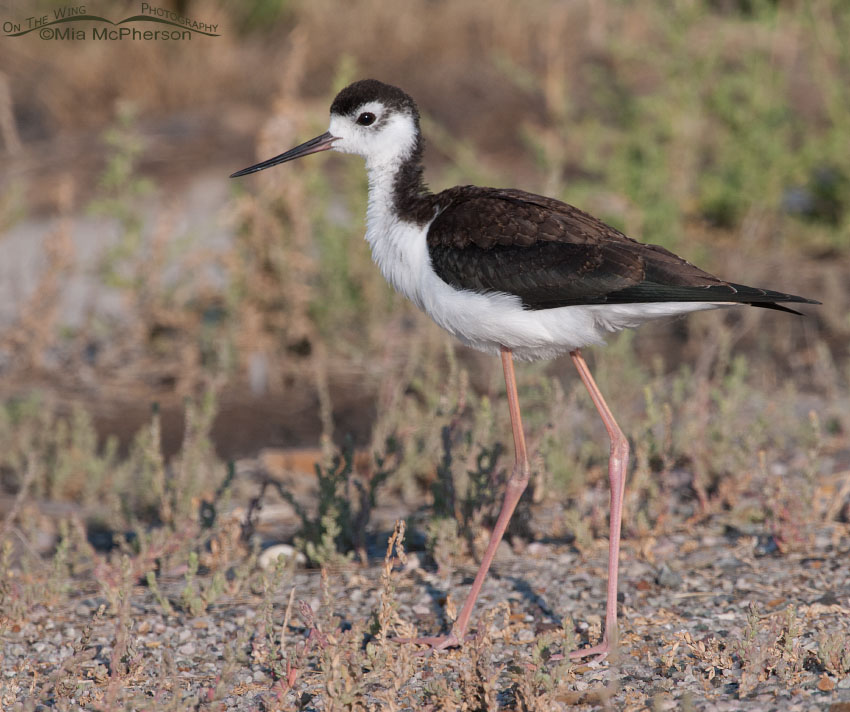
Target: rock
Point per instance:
(537, 549)
(729, 563)
(269, 557)
(668, 578)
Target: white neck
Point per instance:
(398, 247)
(379, 211)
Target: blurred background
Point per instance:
(159, 320)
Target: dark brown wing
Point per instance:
(551, 254)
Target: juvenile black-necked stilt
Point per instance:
(512, 273)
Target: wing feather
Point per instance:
(550, 254)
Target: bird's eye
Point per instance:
(367, 118)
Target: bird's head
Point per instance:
(369, 118)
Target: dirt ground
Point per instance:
(712, 618)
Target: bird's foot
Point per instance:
(435, 643)
(597, 652)
(601, 651)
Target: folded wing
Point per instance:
(550, 254)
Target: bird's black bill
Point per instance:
(314, 145)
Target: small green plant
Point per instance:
(770, 646)
(121, 186)
(387, 619)
(164, 603)
(345, 500)
(833, 652)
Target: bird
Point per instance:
(513, 274)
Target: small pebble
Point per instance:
(526, 635)
(823, 542)
(413, 562)
(668, 578)
(766, 545)
(187, 648)
(729, 563)
(535, 548)
(269, 557)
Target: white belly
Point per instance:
(489, 321)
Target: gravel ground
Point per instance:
(714, 619)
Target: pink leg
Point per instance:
(516, 486)
(617, 464)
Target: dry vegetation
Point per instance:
(192, 370)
